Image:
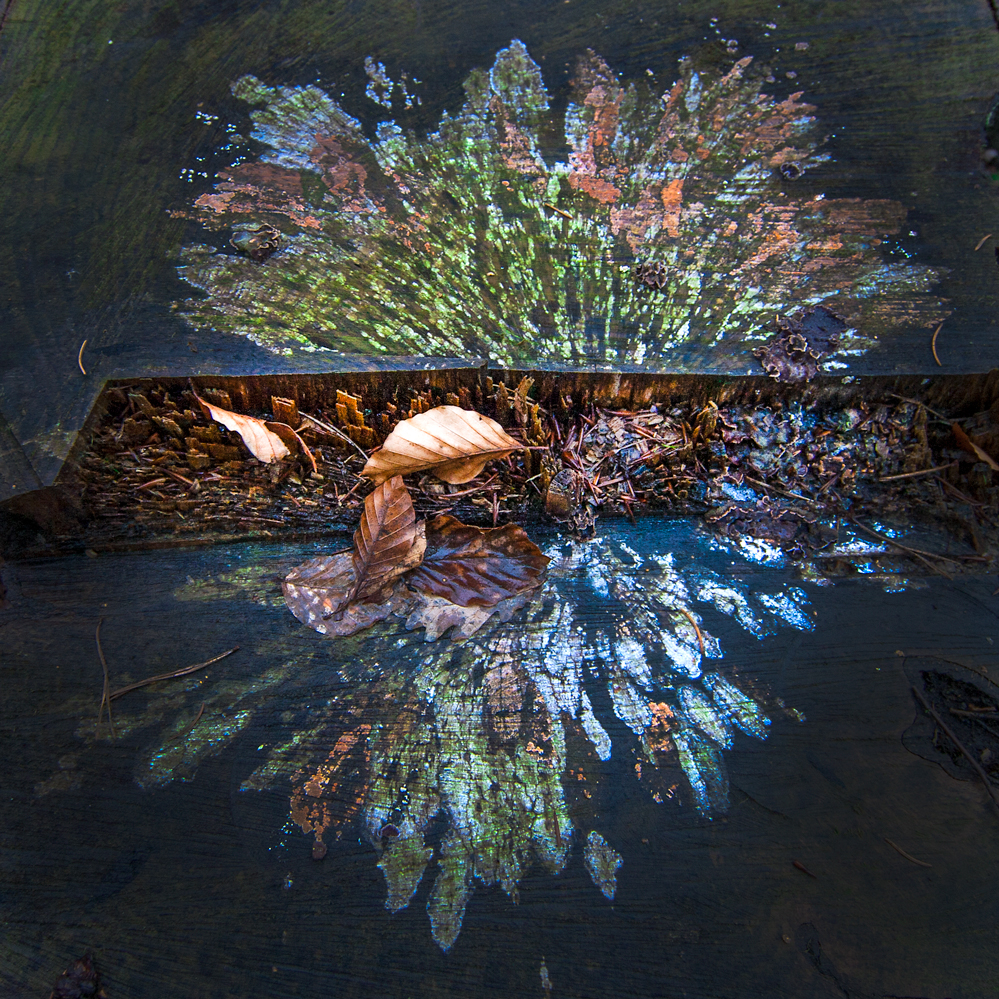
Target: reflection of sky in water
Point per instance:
(466, 753)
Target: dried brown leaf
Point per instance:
(318, 594)
(264, 444)
(454, 443)
(475, 566)
(389, 542)
(291, 440)
(967, 444)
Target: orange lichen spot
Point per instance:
(603, 191)
(672, 197)
(656, 736)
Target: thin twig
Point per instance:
(957, 742)
(908, 856)
(170, 676)
(467, 492)
(197, 718)
(981, 242)
(105, 696)
(79, 357)
(916, 475)
(180, 478)
(690, 618)
(801, 867)
(558, 211)
(957, 492)
(782, 492)
(330, 429)
(933, 344)
(929, 409)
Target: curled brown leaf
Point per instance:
(388, 542)
(318, 594)
(266, 440)
(454, 443)
(475, 566)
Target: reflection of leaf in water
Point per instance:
(472, 740)
(468, 242)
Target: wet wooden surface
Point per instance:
(199, 887)
(147, 850)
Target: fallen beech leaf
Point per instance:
(290, 439)
(967, 444)
(264, 444)
(389, 542)
(454, 443)
(318, 594)
(475, 566)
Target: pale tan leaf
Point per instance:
(454, 443)
(437, 615)
(264, 444)
(389, 542)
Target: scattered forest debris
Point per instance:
(438, 574)
(789, 474)
(453, 443)
(80, 980)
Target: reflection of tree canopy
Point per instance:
(490, 739)
(469, 241)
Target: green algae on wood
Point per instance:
(470, 241)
